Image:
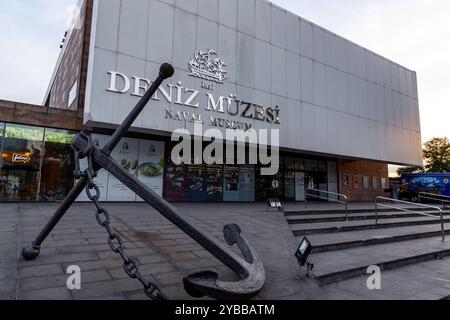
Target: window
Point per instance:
(239, 183)
(357, 182)
(375, 183)
(72, 94)
(57, 166)
(21, 165)
(299, 165)
(384, 183)
(366, 182)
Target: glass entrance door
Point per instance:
(299, 186)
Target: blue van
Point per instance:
(414, 183)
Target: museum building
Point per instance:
(343, 112)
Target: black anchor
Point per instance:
(250, 270)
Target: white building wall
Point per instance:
(336, 97)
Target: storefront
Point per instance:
(36, 163)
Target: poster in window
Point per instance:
(375, 183)
(126, 155)
(150, 170)
(346, 180)
(384, 183)
(175, 182)
(366, 183)
(231, 184)
(247, 183)
(357, 182)
(213, 183)
(196, 183)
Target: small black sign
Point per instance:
(303, 251)
(274, 203)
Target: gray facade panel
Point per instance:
(336, 97)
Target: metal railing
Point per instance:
(441, 213)
(339, 195)
(434, 196)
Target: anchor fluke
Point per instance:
(250, 271)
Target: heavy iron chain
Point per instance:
(131, 265)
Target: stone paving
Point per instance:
(166, 253)
(423, 281)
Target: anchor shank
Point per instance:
(211, 244)
(166, 71)
(68, 201)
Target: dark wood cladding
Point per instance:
(85, 54)
(73, 65)
(33, 115)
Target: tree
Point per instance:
(436, 153)
(406, 170)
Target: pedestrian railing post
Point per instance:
(376, 211)
(346, 209)
(441, 212)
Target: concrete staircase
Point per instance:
(345, 249)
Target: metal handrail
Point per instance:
(434, 196)
(339, 195)
(441, 213)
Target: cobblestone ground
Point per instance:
(166, 253)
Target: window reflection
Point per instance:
(21, 155)
(57, 166)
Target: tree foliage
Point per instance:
(436, 154)
(406, 170)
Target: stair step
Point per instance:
(352, 211)
(377, 240)
(353, 239)
(308, 219)
(322, 228)
(339, 265)
(427, 280)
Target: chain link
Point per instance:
(131, 265)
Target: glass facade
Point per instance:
(245, 183)
(36, 164)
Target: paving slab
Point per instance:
(332, 206)
(341, 261)
(367, 235)
(165, 252)
(328, 227)
(423, 281)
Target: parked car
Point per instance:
(415, 183)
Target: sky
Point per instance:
(414, 33)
